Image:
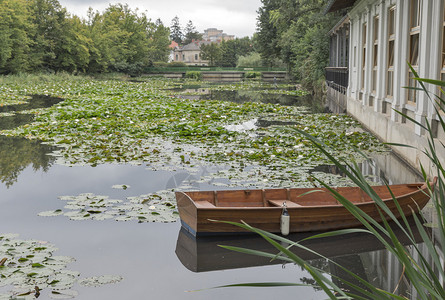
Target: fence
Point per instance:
(205, 68)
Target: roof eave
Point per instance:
(335, 5)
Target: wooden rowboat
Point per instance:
(310, 209)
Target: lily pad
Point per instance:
(100, 280)
(143, 122)
(31, 267)
(51, 213)
(156, 207)
(63, 294)
(121, 186)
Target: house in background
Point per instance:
(190, 53)
(368, 68)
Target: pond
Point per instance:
(144, 260)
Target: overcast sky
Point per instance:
(236, 17)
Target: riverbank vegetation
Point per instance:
(296, 33)
(40, 35)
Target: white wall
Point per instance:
(368, 106)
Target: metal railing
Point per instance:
(211, 69)
(337, 76)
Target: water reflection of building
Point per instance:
(379, 169)
(389, 272)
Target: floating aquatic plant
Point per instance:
(142, 123)
(29, 267)
(121, 186)
(156, 207)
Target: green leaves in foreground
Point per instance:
(286, 254)
(423, 269)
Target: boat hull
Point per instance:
(201, 211)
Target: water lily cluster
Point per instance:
(30, 268)
(142, 122)
(157, 207)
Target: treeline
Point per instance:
(40, 35)
(227, 53)
(183, 36)
(296, 32)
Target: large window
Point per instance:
(375, 51)
(390, 60)
(364, 56)
(414, 38)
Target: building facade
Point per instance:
(382, 37)
(215, 35)
(190, 54)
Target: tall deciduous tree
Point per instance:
(211, 52)
(74, 54)
(268, 35)
(158, 42)
(50, 21)
(120, 39)
(295, 31)
(40, 35)
(16, 31)
(230, 50)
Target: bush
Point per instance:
(133, 69)
(252, 74)
(177, 64)
(251, 60)
(193, 75)
(160, 64)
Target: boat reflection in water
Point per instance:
(360, 253)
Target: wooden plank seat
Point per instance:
(204, 204)
(280, 203)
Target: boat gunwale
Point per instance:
(421, 188)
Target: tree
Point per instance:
(251, 60)
(191, 33)
(74, 55)
(268, 35)
(211, 52)
(232, 49)
(120, 39)
(50, 21)
(228, 55)
(16, 30)
(40, 35)
(296, 33)
(158, 42)
(175, 31)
